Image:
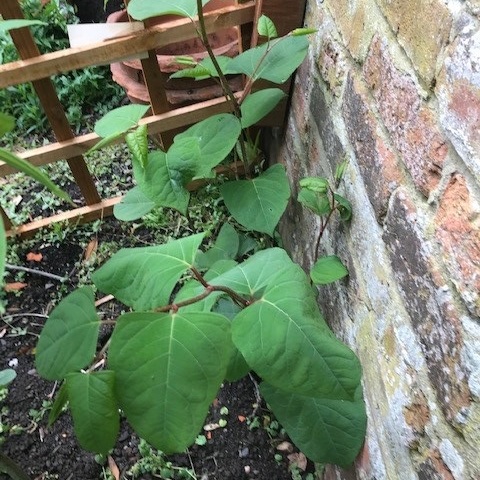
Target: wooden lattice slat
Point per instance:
(115, 50)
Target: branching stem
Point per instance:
(229, 95)
(323, 225)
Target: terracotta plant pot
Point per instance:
(178, 91)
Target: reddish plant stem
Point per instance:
(202, 32)
(323, 225)
(238, 299)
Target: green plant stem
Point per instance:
(202, 32)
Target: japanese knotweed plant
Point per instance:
(198, 317)
(320, 197)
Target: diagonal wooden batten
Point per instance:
(116, 49)
(27, 49)
(105, 207)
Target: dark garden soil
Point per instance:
(245, 448)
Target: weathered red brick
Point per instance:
(458, 93)
(434, 468)
(435, 320)
(376, 160)
(458, 231)
(409, 121)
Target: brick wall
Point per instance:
(394, 87)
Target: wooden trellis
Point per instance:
(36, 68)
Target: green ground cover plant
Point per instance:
(85, 94)
(199, 316)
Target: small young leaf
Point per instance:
(7, 376)
(104, 142)
(7, 123)
(60, 401)
(344, 207)
(316, 202)
(69, 338)
(274, 61)
(339, 171)
(94, 409)
(186, 60)
(258, 204)
(315, 184)
(134, 205)
(298, 32)
(266, 27)
(198, 72)
(137, 142)
(327, 270)
(259, 104)
(120, 120)
(26, 167)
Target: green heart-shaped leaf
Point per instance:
(69, 338)
(168, 370)
(259, 203)
(94, 409)
(326, 431)
(144, 277)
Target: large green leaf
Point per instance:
(144, 277)
(327, 270)
(212, 140)
(274, 61)
(326, 431)
(23, 166)
(282, 335)
(259, 104)
(69, 338)
(94, 409)
(291, 350)
(135, 204)
(168, 370)
(225, 248)
(120, 120)
(237, 366)
(143, 9)
(163, 182)
(258, 204)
